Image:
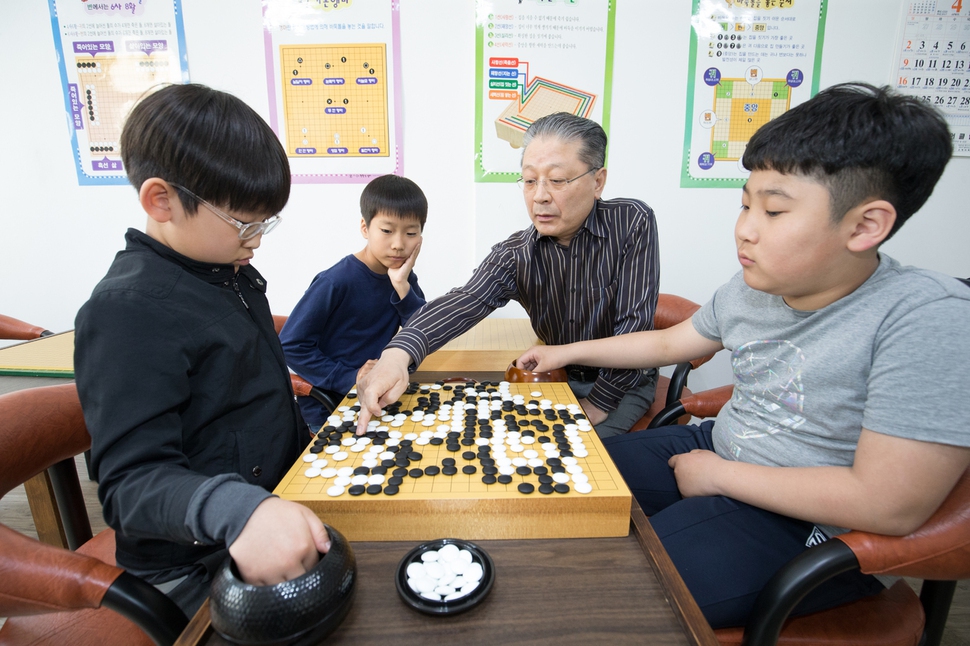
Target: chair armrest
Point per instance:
(678, 380)
(790, 584)
(11, 328)
(706, 403)
(143, 604)
(304, 388)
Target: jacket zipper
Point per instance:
(235, 288)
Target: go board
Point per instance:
(466, 460)
(335, 100)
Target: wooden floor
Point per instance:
(15, 513)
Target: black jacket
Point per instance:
(188, 401)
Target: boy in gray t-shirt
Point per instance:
(836, 421)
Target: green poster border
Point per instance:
(686, 181)
(483, 176)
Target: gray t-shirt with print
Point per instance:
(892, 357)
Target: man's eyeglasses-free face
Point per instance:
(247, 230)
(530, 185)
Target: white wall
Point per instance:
(57, 238)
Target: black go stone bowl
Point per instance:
(431, 607)
(296, 613)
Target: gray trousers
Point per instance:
(630, 409)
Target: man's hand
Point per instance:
(280, 542)
(593, 413)
(366, 368)
(543, 358)
(399, 276)
(696, 472)
(382, 384)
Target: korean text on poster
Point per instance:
(110, 54)
(932, 61)
(333, 69)
(750, 61)
(533, 58)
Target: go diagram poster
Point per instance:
(109, 55)
(334, 82)
(533, 58)
(750, 61)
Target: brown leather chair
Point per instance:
(302, 387)
(938, 552)
(11, 328)
(54, 595)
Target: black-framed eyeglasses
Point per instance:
(247, 230)
(530, 185)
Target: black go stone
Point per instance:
(415, 473)
(488, 479)
(395, 480)
(436, 441)
(453, 448)
(391, 489)
(545, 480)
(546, 488)
(523, 471)
(469, 469)
(559, 469)
(379, 471)
(505, 479)
(540, 471)
(468, 455)
(361, 471)
(561, 488)
(491, 471)
(432, 471)
(414, 456)
(448, 462)
(387, 464)
(400, 472)
(356, 490)
(449, 471)
(374, 489)
(526, 487)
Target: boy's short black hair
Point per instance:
(394, 195)
(211, 143)
(861, 142)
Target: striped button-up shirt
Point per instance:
(603, 284)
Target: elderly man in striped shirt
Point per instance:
(587, 268)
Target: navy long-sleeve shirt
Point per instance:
(347, 316)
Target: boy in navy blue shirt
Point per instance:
(350, 311)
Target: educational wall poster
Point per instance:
(932, 61)
(533, 58)
(109, 55)
(334, 73)
(750, 61)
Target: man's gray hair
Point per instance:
(569, 127)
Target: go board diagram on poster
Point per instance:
(750, 61)
(333, 69)
(932, 61)
(109, 55)
(533, 58)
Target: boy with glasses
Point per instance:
(179, 370)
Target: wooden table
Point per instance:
(555, 591)
(482, 353)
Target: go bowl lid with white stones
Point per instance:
(445, 576)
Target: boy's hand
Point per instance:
(696, 472)
(399, 276)
(381, 385)
(280, 542)
(542, 358)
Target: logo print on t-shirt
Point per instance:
(768, 396)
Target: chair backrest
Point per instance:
(279, 321)
(11, 328)
(940, 549)
(672, 310)
(38, 428)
